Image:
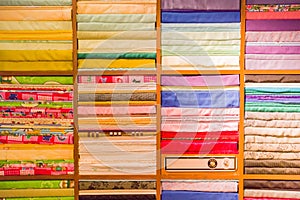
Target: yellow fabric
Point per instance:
(45, 13)
(36, 66)
(35, 152)
(36, 193)
(118, 120)
(36, 35)
(118, 63)
(32, 55)
(115, 8)
(35, 46)
(35, 25)
(90, 35)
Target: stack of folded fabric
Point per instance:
(271, 190)
(202, 35)
(200, 114)
(272, 35)
(36, 35)
(116, 34)
(36, 126)
(271, 124)
(191, 190)
(117, 124)
(37, 190)
(117, 190)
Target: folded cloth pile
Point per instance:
(272, 35)
(271, 124)
(271, 190)
(36, 35)
(37, 190)
(117, 124)
(117, 190)
(116, 35)
(190, 190)
(36, 131)
(200, 35)
(200, 114)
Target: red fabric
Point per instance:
(214, 136)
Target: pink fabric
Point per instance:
(200, 111)
(276, 36)
(221, 80)
(272, 64)
(115, 110)
(201, 127)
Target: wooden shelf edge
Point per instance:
(41, 177)
(117, 177)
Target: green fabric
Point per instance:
(33, 184)
(125, 18)
(95, 26)
(270, 104)
(272, 109)
(116, 55)
(269, 90)
(48, 105)
(64, 80)
(35, 2)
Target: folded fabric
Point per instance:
(272, 124)
(118, 97)
(98, 7)
(18, 13)
(166, 111)
(222, 80)
(201, 127)
(119, 63)
(272, 184)
(273, 50)
(283, 8)
(272, 116)
(142, 55)
(271, 193)
(54, 82)
(118, 120)
(271, 1)
(273, 25)
(272, 163)
(116, 185)
(272, 147)
(179, 195)
(200, 5)
(118, 197)
(206, 136)
(36, 192)
(278, 132)
(28, 139)
(137, 79)
(36, 3)
(200, 17)
(274, 78)
(271, 140)
(201, 27)
(197, 42)
(30, 45)
(97, 134)
(272, 15)
(267, 198)
(273, 98)
(204, 36)
(199, 99)
(275, 36)
(269, 89)
(270, 57)
(127, 35)
(35, 55)
(35, 25)
(36, 184)
(36, 66)
(198, 147)
(201, 186)
(116, 110)
(127, 18)
(201, 50)
(271, 155)
(36, 35)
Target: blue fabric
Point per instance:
(200, 17)
(186, 195)
(201, 99)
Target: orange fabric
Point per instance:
(35, 35)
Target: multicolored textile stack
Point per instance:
(200, 35)
(36, 125)
(116, 34)
(197, 189)
(271, 190)
(117, 124)
(272, 35)
(272, 129)
(36, 35)
(117, 190)
(37, 190)
(200, 114)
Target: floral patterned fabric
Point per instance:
(273, 8)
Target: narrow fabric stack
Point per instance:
(197, 189)
(200, 35)
(116, 35)
(272, 35)
(117, 190)
(200, 114)
(117, 124)
(271, 190)
(36, 126)
(272, 129)
(37, 190)
(36, 35)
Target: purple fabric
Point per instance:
(200, 5)
(273, 98)
(221, 80)
(273, 25)
(272, 49)
(272, 1)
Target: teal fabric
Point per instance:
(271, 90)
